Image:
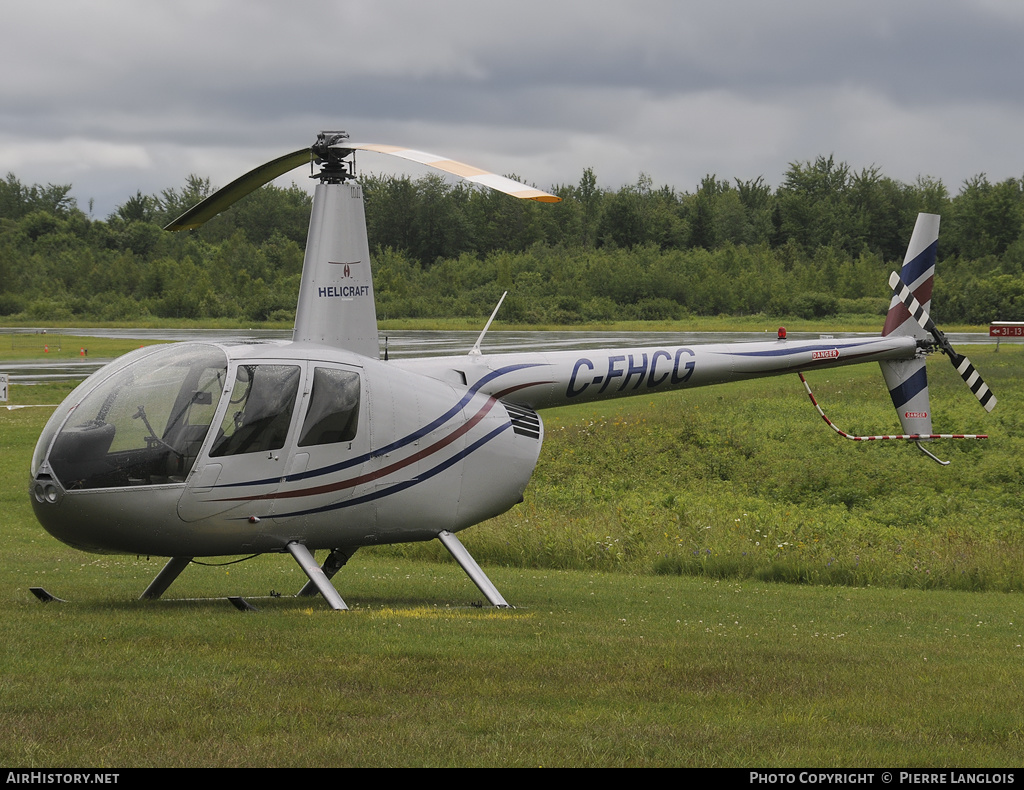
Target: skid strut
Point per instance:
(335, 562)
(469, 565)
(316, 575)
(164, 579)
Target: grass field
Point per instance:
(55, 345)
(651, 627)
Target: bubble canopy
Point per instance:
(141, 423)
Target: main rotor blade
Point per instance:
(468, 172)
(238, 189)
(962, 364)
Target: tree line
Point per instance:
(820, 243)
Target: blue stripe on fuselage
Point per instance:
(783, 352)
(406, 484)
(398, 443)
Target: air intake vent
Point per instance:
(525, 421)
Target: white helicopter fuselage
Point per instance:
(427, 445)
(206, 449)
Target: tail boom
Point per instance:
(564, 377)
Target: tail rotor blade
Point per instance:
(973, 380)
(962, 364)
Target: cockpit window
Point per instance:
(257, 418)
(333, 408)
(145, 424)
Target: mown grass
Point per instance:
(592, 669)
(610, 658)
(55, 345)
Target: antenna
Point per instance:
(475, 350)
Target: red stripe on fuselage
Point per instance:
(352, 482)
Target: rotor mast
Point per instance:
(336, 301)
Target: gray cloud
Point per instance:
(119, 96)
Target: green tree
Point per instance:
(986, 218)
(811, 202)
(17, 199)
(138, 208)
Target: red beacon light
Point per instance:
(782, 333)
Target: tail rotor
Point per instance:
(907, 379)
(962, 364)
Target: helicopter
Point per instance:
(209, 449)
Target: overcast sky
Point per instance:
(120, 96)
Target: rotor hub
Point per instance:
(335, 169)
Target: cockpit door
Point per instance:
(249, 453)
(332, 447)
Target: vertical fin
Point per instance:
(907, 380)
(918, 273)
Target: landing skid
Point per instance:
(44, 596)
(319, 577)
(241, 604)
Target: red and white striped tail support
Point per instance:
(916, 437)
